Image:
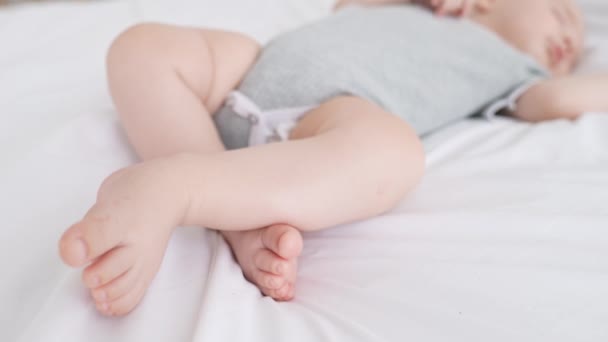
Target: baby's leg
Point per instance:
(165, 82)
(348, 160)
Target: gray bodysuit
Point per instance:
(429, 71)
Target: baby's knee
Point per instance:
(398, 145)
(405, 150)
(137, 43)
(393, 147)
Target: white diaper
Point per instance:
(266, 126)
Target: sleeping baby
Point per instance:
(320, 127)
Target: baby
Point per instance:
(345, 99)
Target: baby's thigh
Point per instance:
(367, 132)
(233, 54)
(210, 62)
(357, 117)
(336, 112)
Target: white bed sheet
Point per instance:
(505, 240)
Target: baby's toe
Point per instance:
(103, 308)
(284, 293)
(117, 287)
(124, 304)
(108, 267)
(268, 280)
(72, 247)
(268, 261)
(90, 238)
(284, 240)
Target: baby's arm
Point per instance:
(342, 3)
(564, 98)
(441, 7)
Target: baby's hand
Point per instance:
(458, 8)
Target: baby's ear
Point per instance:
(483, 6)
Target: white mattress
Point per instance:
(505, 240)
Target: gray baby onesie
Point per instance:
(429, 71)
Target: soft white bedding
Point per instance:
(505, 240)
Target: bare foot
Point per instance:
(268, 258)
(124, 236)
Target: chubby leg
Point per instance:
(165, 81)
(348, 160)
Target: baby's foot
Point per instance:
(124, 236)
(268, 258)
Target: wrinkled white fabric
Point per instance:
(505, 239)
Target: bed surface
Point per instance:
(506, 239)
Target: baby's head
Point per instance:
(551, 31)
